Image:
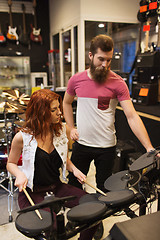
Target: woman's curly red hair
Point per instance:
(38, 114)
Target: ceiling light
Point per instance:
(101, 25)
(18, 53)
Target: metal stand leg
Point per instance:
(10, 194)
(10, 198)
(9, 177)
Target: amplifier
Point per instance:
(140, 228)
(145, 94)
(149, 59)
(134, 83)
(148, 74)
(116, 62)
(147, 67)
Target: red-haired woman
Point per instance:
(43, 144)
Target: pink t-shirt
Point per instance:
(96, 106)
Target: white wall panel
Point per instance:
(110, 10)
(63, 14)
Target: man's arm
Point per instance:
(68, 115)
(136, 124)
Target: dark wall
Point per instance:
(38, 52)
(124, 132)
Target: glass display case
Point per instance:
(15, 73)
(66, 38)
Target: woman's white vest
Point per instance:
(29, 150)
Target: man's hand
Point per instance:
(74, 135)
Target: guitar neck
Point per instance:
(140, 36)
(10, 16)
(35, 18)
(24, 23)
(158, 39)
(147, 38)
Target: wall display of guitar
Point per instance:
(24, 37)
(146, 28)
(153, 7)
(158, 39)
(142, 18)
(142, 13)
(152, 15)
(11, 34)
(2, 37)
(35, 34)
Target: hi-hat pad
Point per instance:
(122, 180)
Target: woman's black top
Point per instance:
(46, 167)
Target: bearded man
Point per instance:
(98, 91)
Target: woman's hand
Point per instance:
(79, 175)
(21, 181)
(76, 172)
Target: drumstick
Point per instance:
(95, 188)
(31, 202)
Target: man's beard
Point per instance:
(99, 74)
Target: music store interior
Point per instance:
(42, 44)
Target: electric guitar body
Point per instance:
(35, 35)
(2, 37)
(11, 34)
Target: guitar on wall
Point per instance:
(35, 34)
(146, 28)
(158, 47)
(23, 37)
(2, 37)
(11, 34)
(142, 17)
(151, 19)
(158, 37)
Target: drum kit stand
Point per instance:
(11, 102)
(95, 207)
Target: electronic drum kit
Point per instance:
(92, 208)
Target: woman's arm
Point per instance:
(12, 163)
(71, 167)
(77, 173)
